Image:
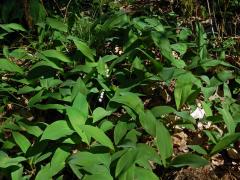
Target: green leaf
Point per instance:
(83, 47)
(56, 165)
(17, 174)
(56, 24)
(159, 111)
(228, 119)
(98, 135)
(164, 46)
(49, 106)
(6, 65)
(77, 119)
(183, 89)
(35, 99)
(192, 160)
(56, 55)
(164, 142)
(225, 142)
(80, 103)
(131, 100)
(148, 122)
(12, 26)
(118, 20)
(207, 109)
(6, 161)
(31, 129)
(119, 131)
(143, 174)
(125, 162)
(21, 141)
(49, 64)
(56, 130)
(100, 113)
(98, 176)
(146, 154)
(180, 47)
(184, 33)
(198, 149)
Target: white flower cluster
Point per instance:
(107, 71)
(198, 113)
(101, 97)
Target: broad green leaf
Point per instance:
(146, 154)
(164, 142)
(165, 48)
(102, 68)
(21, 141)
(31, 129)
(208, 63)
(184, 33)
(192, 160)
(88, 160)
(20, 54)
(125, 162)
(56, 24)
(143, 174)
(6, 161)
(79, 86)
(25, 90)
(56, 55)
(155, 23)
(92, 163)
(98, 176)
(207, 109)
(49, 106)
(100, 113)
(83, 47)
(157, 65)
(77, 119)
(148, 122)
(35, 99)
(119, 131)
(106, 125)
(6, 65)
(202, 41)
(43, 63)
(98, 135)
(180, 47)
(12, 26)
(131, 100)
(55, 166)
(225, 75)
(228, 119)
(37, 11)
(56, 130)
(80, 103)
(17, 174)
(118, 20)
(198, 149)
(225, 142)
(183, 89)
(159, 111)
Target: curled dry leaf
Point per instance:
(233, 154)
(180, 141)
(217, 160)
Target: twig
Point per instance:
(211, 22)
(66, 12)
(215, 20)
(58, 7)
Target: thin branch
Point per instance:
(66, 12)
(211, 21)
